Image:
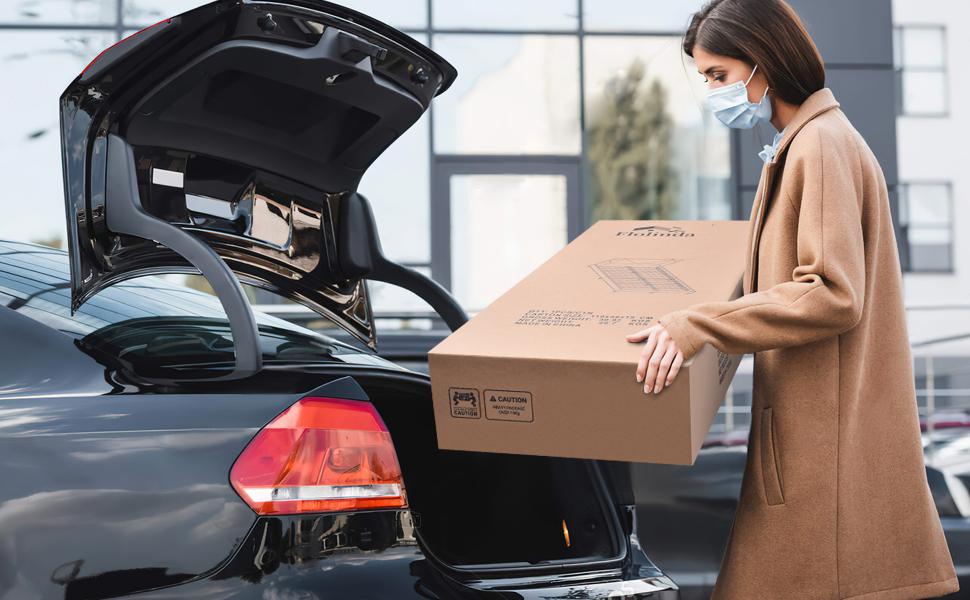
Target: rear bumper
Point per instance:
(376, 557)
(654, 588)
(388, 577)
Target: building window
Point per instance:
(653, 151)
(926, 217)
(494, 238)
(507, 15)
(653, 16)
(46, 61)
(920, 60)
(517, 94)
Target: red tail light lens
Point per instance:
(320, 455)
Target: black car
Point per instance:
(163, 442)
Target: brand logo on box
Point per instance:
(656, 231)
(465, 403)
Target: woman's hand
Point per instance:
(660, 360)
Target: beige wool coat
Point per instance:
(834, 501)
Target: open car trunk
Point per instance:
(479, 511)
(230, 140)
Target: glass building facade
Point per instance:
(564, 112)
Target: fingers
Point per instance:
(665, 362)
(645, 355)
(653, 364)
(660, 360)
(640, 335)
(675, 367)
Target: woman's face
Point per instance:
(719, 71)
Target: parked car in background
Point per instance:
(685, 513)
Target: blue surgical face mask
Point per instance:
(731, 106)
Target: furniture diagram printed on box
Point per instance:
(641, 275)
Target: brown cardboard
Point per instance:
(546, 368)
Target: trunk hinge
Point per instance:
(125, 215)
(360, 255)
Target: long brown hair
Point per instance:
(767, 33)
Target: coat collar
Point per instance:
(813, 106)
(816, 104)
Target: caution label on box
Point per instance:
(465, 403)
(508, 405)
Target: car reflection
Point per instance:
(304, 547)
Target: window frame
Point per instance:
(903, 190)
(900, 69)
(447, 166)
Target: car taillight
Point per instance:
(320, 455)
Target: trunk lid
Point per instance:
(246, 125)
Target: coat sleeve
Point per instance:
(825, 294)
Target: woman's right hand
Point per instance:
(660, 359)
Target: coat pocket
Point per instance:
(770, 465)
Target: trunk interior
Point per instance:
(488, 511)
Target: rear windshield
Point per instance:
(148, 318)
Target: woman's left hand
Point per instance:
(660, 360)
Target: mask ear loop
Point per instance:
(750, 76)
(749, 81)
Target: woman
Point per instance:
(834, 502)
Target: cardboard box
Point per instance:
(546, 368)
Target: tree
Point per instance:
(629, 151)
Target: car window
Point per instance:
(946, 506)
(188, 323)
